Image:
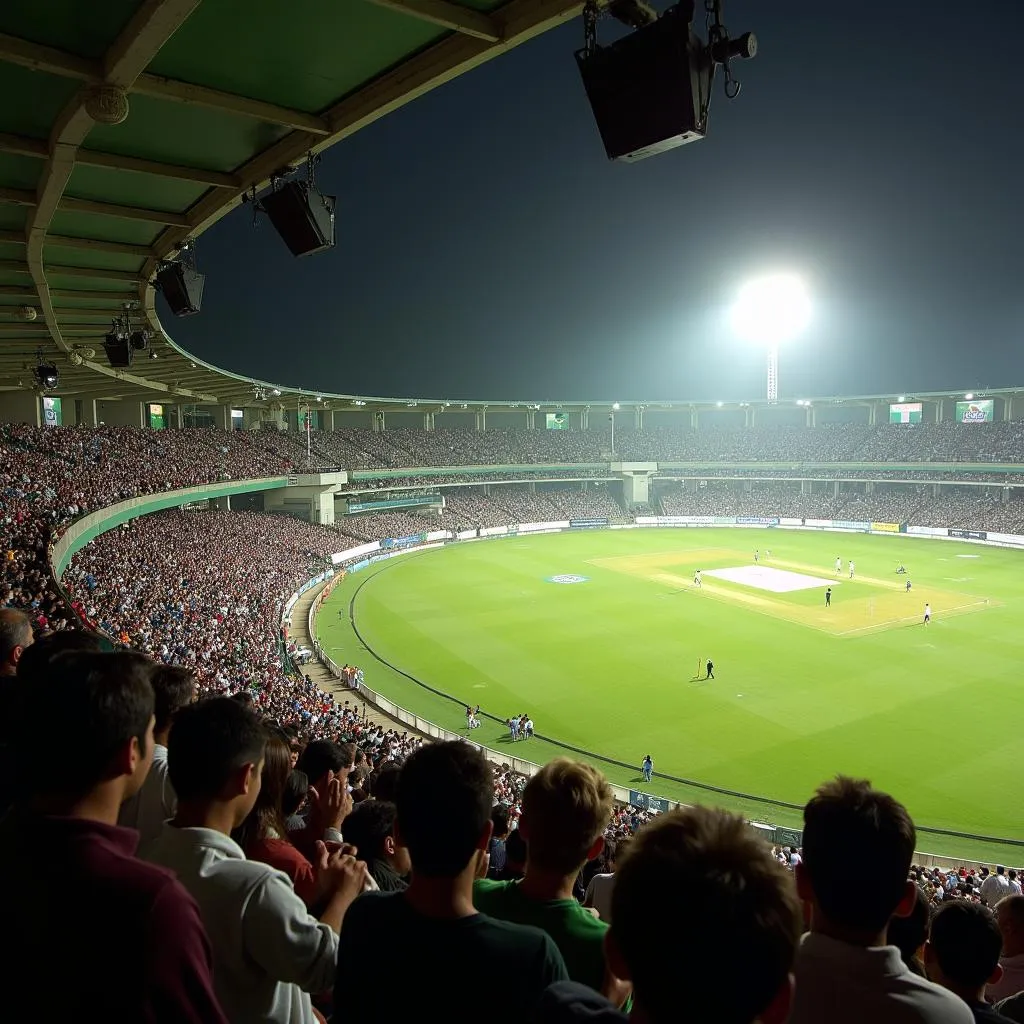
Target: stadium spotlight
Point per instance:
(969, 396)
(47, 376)
(615, 406)
(770, 311)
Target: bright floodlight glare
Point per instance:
(772, 309)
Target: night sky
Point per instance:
(487, 249)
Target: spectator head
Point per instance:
(267, 815)
(370, 828)
(1010, 916)
(962, 952)
(323, 760)
(566, 808)
(174, 687)
(499, 819)
(694, 892)
(15, 639)
(618, 852)
(384, 781)
(847, 825)
(35, 662)
(296, 788)
(444, 799)
(215, 757)
(908, 934)
(515, 855)
(99, 709)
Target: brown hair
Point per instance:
(267, 815)
(566, 806)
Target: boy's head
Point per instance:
(962, 952)
(174, 687)
(847, 824)
(323, 760)
(696, 892)
(215, 755)
(34, 662)
(15, 639)
(370, 828)
(566, 808)
(444, 797)
(99, 709)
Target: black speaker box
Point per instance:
(302, 217)
(119, 352)
(649, 90)
(182, 287)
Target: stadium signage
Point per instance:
(928, 531)
(885, 528)
(757, 521)
(587, 524)
(568, 578)
(650, 803)
(402, 542)
(969, 534)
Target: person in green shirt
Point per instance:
(567, 806)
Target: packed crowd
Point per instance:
(229, 870)
(964, 507)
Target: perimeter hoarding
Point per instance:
(981, 410)
(906, 412)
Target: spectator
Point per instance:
(70, 867)
(567, 806)
(996, 887)
(1010, 918)
(599, 889)
(695, 892)
(962, 955)
(328, 766)
(908, 934)
(1012, 1008)
(496, 857)
(370, 828)
(15, 639)
(844, 969)
(434, 938)
(174, 687)
(263, 835)
(269, 953)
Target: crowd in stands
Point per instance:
(231, 870)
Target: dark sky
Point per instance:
(487, 248)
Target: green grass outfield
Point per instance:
(933, 714)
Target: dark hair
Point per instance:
(369, 825)
(15, 631)
(908, 933)
(267, 813)
(209, 742)
(323, 756)
(499, 818)
(384, 781)
(696, 890)
(847, 824)
(444, 798)
(296, 788)
(966, 941)
(34, 662)
(174, 687)
(92, 706)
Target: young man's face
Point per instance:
(143, 760)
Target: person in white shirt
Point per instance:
(1010, 917)
(996, 887)
(846, 972)
(174, 688)
(269, 953)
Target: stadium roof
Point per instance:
(219, 96)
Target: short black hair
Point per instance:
(848, 824)
(966, 941)
(369, 824)
(174, 687)
(908, 933)
(384, 781)
(444, 796)
(209, 742)
(91, 706)
(15, 631)
(323, 756)
(499, 818)
(35, 661)
(296, 787)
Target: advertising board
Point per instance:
(978, 410)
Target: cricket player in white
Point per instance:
(927, 614)
(853, 569)
(839, 565)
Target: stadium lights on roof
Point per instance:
(969, 396)
(902, 398)
(719, 404)
(615, 406)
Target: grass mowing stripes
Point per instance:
(801, 692)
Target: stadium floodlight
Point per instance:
(615, 406)
(770, 311)
(969, 397)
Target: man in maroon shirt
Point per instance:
(93, 931)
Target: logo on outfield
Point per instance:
(568, 579)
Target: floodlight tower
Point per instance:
(770, 311)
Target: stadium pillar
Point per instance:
(481, 420)
(694, 419)
(835, 489)
(379, 423)
(748, 416)
(531, 419)
(1008, 408)
(222, 417)
(428, 421)
(810, 416)
(638, 417)
(938, 411)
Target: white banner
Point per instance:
(928, 531)
(791, 522)
(540, 527)
(1012, 539)
(494, 531)
(819, 524)
(352, 553)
